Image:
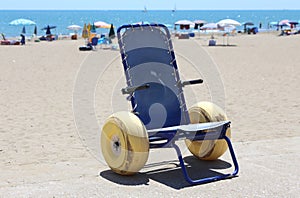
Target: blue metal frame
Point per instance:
(211, 136)
(167, 139)
(197, 135)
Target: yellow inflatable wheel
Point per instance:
(124, 143)
(203, 112)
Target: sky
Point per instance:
(150, 4)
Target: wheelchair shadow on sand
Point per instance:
(169, 173)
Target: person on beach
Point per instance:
(22, 39)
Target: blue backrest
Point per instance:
(148, 58)
(94, 41)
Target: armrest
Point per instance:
(130, 90)
(191, 82)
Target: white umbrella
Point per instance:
(74, 27)
(210, 26)
(184, 22)
(102, 24)
(22, 22)
(228, 22)
(284, 22)
(200, 22)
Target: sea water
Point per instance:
(62, 18)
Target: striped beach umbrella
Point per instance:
(102, 24)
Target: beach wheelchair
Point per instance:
(159, 116)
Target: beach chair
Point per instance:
(159, 116)
(104, 43)
(94, 42)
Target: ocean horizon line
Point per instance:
(149, 10)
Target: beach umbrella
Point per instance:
(75, 28)
(89, 27)
(276, 24)
(199, 23)
(111, 33)
(210, 26)
(229, 25)
(102, 24)
(93, 28)
(229, 28)
(35, 30)
(3, 36)
(24, 30)
(184, 24)
(228, 22)
(293, 24)
(248, 23)
(48, 29)
(22, 22)
(284, 22)
(245, 24)
(85, 32)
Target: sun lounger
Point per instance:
(9, 42)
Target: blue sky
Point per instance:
(150, 4)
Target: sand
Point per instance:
(55, 98)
